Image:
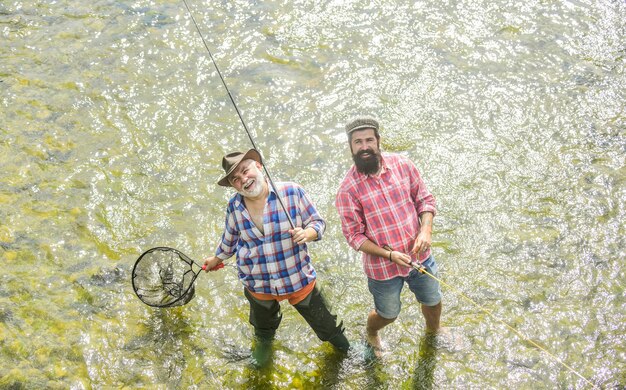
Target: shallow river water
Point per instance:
(113, 122)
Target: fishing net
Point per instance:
(163, 277)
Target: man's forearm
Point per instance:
(372, 249)
(426, 222)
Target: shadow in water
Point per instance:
(330, 368)
(423, 377)
(259, 377)
(261, 374)
(376, 377)
(364, 358)
(166, 336)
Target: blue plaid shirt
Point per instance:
(270, 262)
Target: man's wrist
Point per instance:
(312, 233)
(426, 221)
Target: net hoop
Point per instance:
(181, 298)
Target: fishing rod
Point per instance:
(421, 269)
(267, 174)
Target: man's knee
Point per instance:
(377, 320)
(318, 315)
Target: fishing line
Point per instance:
(267, 174)
(420, 268)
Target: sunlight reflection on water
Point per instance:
(115, 122)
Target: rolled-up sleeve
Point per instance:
(352, 221)
(311, 218)
(423, 199)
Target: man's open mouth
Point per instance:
(365, 154)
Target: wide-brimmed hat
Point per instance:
(232, 160)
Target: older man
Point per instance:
(272, 256)
(386, 213)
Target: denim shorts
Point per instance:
(386, 293)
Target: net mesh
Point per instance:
(163, 277)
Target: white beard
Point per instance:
(256, 188)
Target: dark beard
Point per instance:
(369, 166)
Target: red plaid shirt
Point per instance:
(385, 209)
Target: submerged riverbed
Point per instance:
(114, 121)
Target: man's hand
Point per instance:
(397, 257)
(211, 264)
(302, 236)
(424, 239)
(422, 242)
(401, 258)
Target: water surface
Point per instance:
(113, 124)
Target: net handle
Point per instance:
(220, 265)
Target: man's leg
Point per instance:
(375, 323)
(432, 315)
(265, 316)
(315, 311)
(428, 293)
(386, 294)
